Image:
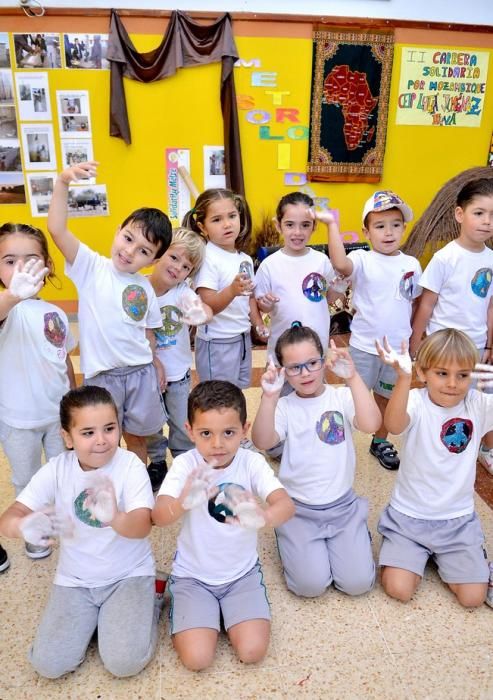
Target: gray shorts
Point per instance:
(456, 545)
(328, 544)
(225, 358)
(197, 604)
(135, 390)
(375, 374)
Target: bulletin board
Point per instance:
(273, 92)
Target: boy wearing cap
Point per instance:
(385, 285)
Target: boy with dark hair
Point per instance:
(216, 568)
(117, 309)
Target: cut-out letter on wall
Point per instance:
(245, 101)
(298, 133)
(288, 113)
(264, 79)
(258, 116)
(264, 133)
(296, 179)
(252, 63)
(277, 95)
(283, 156)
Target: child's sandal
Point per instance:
(386, 454)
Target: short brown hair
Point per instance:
(445, 346)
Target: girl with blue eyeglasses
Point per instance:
(327, 541)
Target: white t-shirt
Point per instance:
(208, 548)
(218, 270)
(384, 287)
(318, 460)
(436, 477)
(115, 308)
(301, 283)
(462, 279)
(96, 555)
(173, 338)
(34, 341)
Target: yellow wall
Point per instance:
(184, 111)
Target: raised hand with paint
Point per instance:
(327, 540)
(272, 380)
(37, 334)
(225, 282)
(293, 283)
(96, 498)
(400, 361)
(213, 489)
(180, 308)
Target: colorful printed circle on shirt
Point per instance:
(481, 281)
(246, 269)
(83, 514)
(134, 301)
(456, 434)
(330, 427)
(314, 287)
(216, 506)
(172, 325)
(54, 329)
(406, 286)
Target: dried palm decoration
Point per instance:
(437, 223)
(265, 235)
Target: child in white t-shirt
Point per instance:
(457, 289)
(327, 541)
(97, 498)
(117, 309)
(180, 308)
(431, 511)
(225, 283)
(385, 285)
(35, 368)
(292, 283)
(216, 570)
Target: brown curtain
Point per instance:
(185, 43)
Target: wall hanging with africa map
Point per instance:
(350, 96)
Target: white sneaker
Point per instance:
(34, 551)
(485, 457)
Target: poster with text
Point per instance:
(179, 201)
(33, 96)
(442, 86)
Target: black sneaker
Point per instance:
(386, 454)
(4, 560)
(157, 471)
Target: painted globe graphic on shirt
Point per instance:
(217, 507)
(481, 282)
(134, 301)
(55, 330)
(83, 514)
(314, 287)
(172, 325)
(330, 427)
(456, 434)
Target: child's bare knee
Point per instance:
(251, 651)
(399, 587)
(197, 659)
(470, 596)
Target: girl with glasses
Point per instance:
(327, 541)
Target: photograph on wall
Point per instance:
(87, 200)
(73, 114)
(10, 156)
(442, 86)
(12, 190)
(76, 151)
(8, 122)
(37, 51)
(214, 168)
(349, 105)
(40, 186)
(4, 50)
(38, 147)
(33, 96)
(6, 88)
(86, 51)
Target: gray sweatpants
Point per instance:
(126, 618)
(23, 448)
(225, 358)
(175, 401)
(328, 544)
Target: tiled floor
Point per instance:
(333, 647)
